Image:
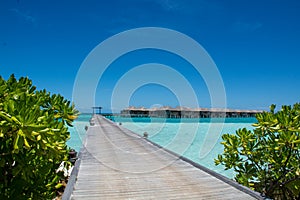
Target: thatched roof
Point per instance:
(181, 108)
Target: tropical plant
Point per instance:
(33, 135)
(267, 159)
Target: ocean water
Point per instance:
(196, 139)
(78, 131)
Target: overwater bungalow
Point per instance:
(135, 112)
(184, 112)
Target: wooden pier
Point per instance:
(115, 163)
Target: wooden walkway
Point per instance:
(118, 164)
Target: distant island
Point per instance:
(185, 112)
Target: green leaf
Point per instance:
(26, 143)
(16, 142)
(30, 137)
(59, 185)
(267, 154)
(38, 138)
(6, 116)
(296, 141)
(21, 133)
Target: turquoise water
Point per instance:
(196, 139)
(77, 132)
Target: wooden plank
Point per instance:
(118, 164)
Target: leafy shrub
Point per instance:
(33, 135)
(267, 159)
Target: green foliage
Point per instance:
(33, 135)
(267, 159)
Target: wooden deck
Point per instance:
(118, 164)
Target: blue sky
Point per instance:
(255, 45)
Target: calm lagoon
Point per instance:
(196, 139)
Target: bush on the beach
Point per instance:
(267, 159)
(33, 135)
